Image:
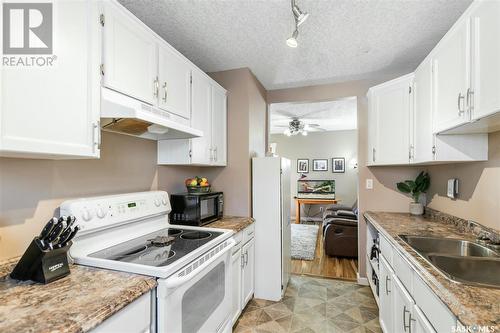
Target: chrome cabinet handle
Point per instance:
(156, 87)
(215, 154)
(373, 154)
(404, 318)
(242, 260)
(410, 319)
(246, 258)
(459, 103)
(211, 152)
(387, 279)
(470, 100)
(165, 91)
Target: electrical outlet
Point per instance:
(369, 184)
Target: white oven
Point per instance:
(197, 298)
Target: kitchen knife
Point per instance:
(48, 228)
(63, 238)
(56, 231)
(71, 236)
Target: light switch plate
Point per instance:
(369, 184)
(452, 191)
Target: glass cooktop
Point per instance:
(160, 248)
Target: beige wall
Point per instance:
(31, 190)
(479, 187)
(384, 196)
(246, 120)
(322, 145)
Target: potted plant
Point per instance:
(416, 188)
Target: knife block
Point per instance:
(40, 265)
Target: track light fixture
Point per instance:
(299, 18)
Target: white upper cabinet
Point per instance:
(174, 74)
(54, 111)
(208, 114)
(391, 106)
(451, 67)
(485, 59)
(130, 55)
(219, 126)
(422, 146)
(201, 148)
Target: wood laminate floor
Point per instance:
(325, 266)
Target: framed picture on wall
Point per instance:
(338, 165)
(320, 165)
(303, 165)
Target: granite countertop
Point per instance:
(472, 305)
(75, 303)
(235, 223)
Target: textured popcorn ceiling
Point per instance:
(330, 116)
(342, 39)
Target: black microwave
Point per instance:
(196, 209)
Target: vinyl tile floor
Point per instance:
(313, 305)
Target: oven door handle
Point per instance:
(177, 281)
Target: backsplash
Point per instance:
(463, 225)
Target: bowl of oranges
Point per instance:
(197, 185)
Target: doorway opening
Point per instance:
(320, 139)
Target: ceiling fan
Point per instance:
(297, 126)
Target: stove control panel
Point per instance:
(102, 212)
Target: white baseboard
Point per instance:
(362, 280)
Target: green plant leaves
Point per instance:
(403, 187)
(415, 187)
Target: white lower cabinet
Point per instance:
(386, 314)
(243, 269)
(134, 318)
(406, 303)
(421, 323)
(248, 255)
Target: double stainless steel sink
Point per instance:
(458, 259)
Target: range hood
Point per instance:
(126, 115)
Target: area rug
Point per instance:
(304, 237)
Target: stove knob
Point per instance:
(101, 213)
(164, 201)
(157, 202)
(86, 215)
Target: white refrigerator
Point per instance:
(271, 210)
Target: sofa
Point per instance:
(340, 231)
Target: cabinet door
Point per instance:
(372, 130)
(174, 73)
(386, 311)
(402, 308)
(248, 254)
(236, 267)
(54, 111)
(422, 114)
(201, 119)
(420, 322)
(130, 55)
(219, 126)
(486, 59)
(451, 63)
(392, 104)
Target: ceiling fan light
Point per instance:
(292, 41)
(300, 16)
(287, 132)
(304, 133)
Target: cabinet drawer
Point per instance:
(238, 238)
(403, 270)
(248, 233)
(386, 249)
(438, 314)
